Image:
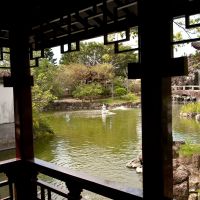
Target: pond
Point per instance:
(101, 145)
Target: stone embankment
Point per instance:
(72, 105)
(186, 173)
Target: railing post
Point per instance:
(74, 191)
(24, 180)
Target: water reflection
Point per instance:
(185, 129)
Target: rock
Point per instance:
(197, 117)
(183, 160)
(196, 160)
(181, 174)
(134, 163)
(175, 151)
(193, 196)
(139, 169)
(175, 164)
(176, 147)
(194, 183)
(181, 191)
(140, 158)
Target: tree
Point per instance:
(42, 90)
(69, 77)
(193, 72)
(42, 95)
(182, 33)
(88, 91)
(48, 54)
(94, 53)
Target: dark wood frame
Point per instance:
(155, 40)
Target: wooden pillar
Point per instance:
(155, 35)
(21, 81)
(20, 75)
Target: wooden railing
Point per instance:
(8, 184)
(74, 182)
(186, 87)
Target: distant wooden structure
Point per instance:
(187, 92)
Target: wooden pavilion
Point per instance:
(35, 25)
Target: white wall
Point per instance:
(6, 105)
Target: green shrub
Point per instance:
(41, 126)
(120, 91)
(188, 149)
(191, 108)
(88, 91)
(130, 97)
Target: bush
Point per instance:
(191, 108)
(120, 91)
(130, 97)
(41, 126)
(188, 149)
(88, 91)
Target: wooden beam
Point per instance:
(156, 99)
(177, 67)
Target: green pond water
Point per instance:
(96, 144)
(101, 145)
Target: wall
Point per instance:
(7, 139)
(6, 105)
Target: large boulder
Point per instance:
(193, 196)
(181, 174)
(181, 191)
(196, 161)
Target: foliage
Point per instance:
(6, 58)
(113, 101)
(191, 108)
(41, 125)
(120, 91)
(90, 54)
(102, 73)
(130, 97)
(189, 149)
(72, 75)
(193, 67)
(94, 53)
(48, 54)
(42, 90)
(88, 91)
(135, 86)
(42, 95)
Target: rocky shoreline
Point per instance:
(195, 116)
(186, 173)
(62, 105)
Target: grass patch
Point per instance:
(117, 100)
(189, 149)
(191, 108)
